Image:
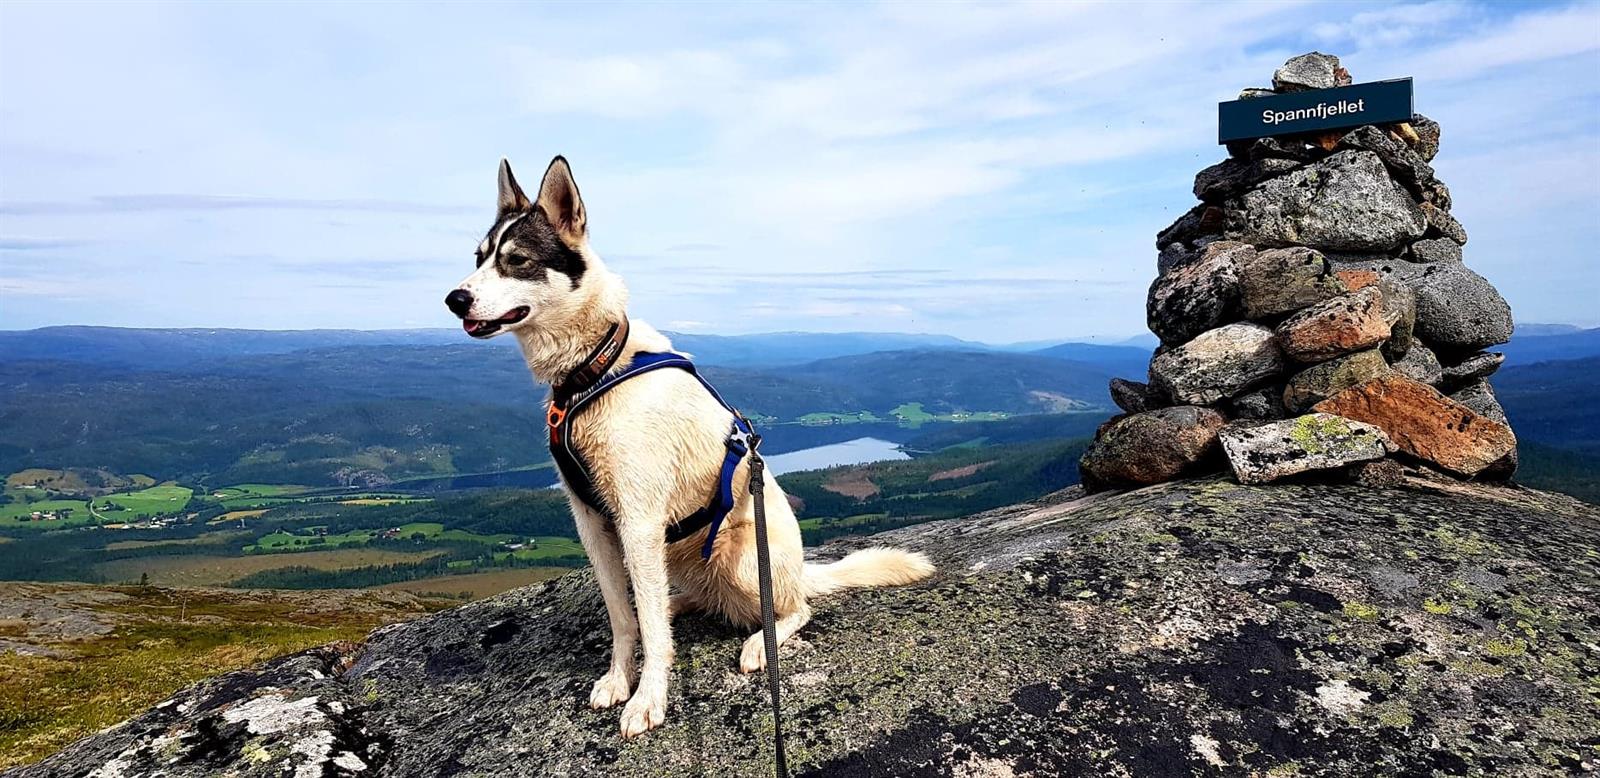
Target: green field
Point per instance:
(289, 542)
(125, 506)
(828, 417)
(146, 502)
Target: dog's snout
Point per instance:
(459, 302)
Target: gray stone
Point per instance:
(1407, 167)
(1400, 310)
(1420, 364)
(1218, 364)
(1337, 326)
(1255, 93)
(1479, 396)
(1069, 635)
(1309, 71)
(1198, 296)
(1135, 396)
(1321, 381)
(1279, 281)
(1434, 250)
(1175, 255)
(1441, 224)
(1379, 474)
(1198, 222)
(1346, 202)
(1427, 136)
(1232, 176)
(1265, 403)
(1261, 453)
(1458, 310)
(1472, 367)
(1151, 447)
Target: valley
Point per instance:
(304, 490)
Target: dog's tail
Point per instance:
(868, 567)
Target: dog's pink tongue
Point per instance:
(471, 325)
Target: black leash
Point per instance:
(769, 626)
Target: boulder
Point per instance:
(1198, 222)
(1279, 281)
(1472, 367)
(1197, 296)
(1434, 250)
(1458, 310)
(1200, 627)
(1310, 71)
(1232, 176)
(1420, 364)
(1346, 202)
(1400, 310)
(1255, 93)
(1218, 364)
(1321, 381)
(1441, 224)
(1260, 453)
(1427, 131)
(1151, 447)
(1424, 423)
(1407, 167)
(1479, 396)
(1175, 255)
(1338, 326)
(1265, 403)
(1135, 396)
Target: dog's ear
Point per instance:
(561, 203)
(512, 200)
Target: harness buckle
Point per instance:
(555, 415)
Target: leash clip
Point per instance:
(555, 415)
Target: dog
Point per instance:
(655, 447)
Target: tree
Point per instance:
(144, 579)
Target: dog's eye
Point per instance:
(516, 260)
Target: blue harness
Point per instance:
(575, 471)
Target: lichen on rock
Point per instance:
(1194, 627)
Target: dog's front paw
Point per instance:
(644, 712)
(753, 657)
(611, 689)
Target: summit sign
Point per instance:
(1379, 102)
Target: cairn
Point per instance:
(1315, 314)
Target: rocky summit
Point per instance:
(1197, 627)
(1320, 273)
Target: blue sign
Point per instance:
(1380, 102)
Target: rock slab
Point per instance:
(1425, 424)
(1194, 628)
(1261, 453)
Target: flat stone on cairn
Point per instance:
(1315, 315)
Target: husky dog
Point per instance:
(654, 446)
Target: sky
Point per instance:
(995, 172)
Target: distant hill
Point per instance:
(945, 381)
(1550, 342)
(1120, 360)
(1555, 403)
(366, 413)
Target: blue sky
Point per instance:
(994, 172)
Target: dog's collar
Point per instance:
(594, 367)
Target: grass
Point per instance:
(48, 702)
(167, 498)
(11, 515)
(544, 548)
(830, 417)
(219, 570)
(289, 542)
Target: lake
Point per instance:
(851, 452)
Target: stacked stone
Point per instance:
(1314, 313)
